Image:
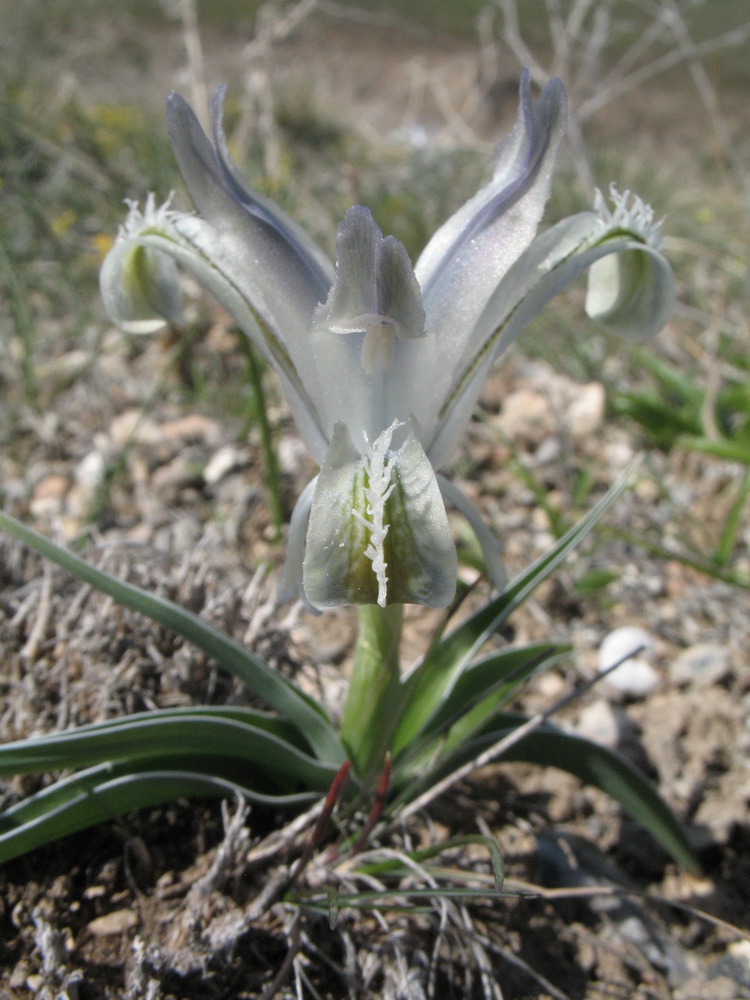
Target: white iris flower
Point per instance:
(381, 362)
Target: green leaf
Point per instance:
(479, 691)
(428, 685)
(595, 765)
(268, 684)
(391, 866)
(734, 451)
(107, 791)
(151, 736)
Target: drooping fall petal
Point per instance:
(378, 531)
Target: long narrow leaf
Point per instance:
(104, 792)
(274, 724)
(482, 688)
(268, 684)
(436, 675)
(726, 448)
(152, 736)
(595, 765)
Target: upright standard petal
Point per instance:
(468, 256)
(292, 274)
(378, 531)
(484, 237)
(373, 307)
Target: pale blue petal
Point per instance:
(310, 256)
(140, 288)
(639, 296)
(631, 293)
(262, 240)
(196, 246)
(399, 295)
(489, 543)
(354, 292)
(469, 254)
(374, 279)
(373, 309)
(290, 581)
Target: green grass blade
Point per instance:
(252, 671)
(726, 448)
(151, 736)
(733, 523)
(103, 793)
(482, 688)
(394, 867)
(435, 676)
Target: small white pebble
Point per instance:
(635, 676)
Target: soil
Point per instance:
(172, 902)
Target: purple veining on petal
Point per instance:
(215, 188)
(538, 136)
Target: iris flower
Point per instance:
(381, 362)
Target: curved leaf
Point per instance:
(480, 690)
(595, 765)
(104, 792)
(150, 736)
(270, 685)
(430, 682)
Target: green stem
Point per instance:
(270, 458)
(370, 713)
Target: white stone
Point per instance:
(225, 459)
(586, 411)
(632, 647)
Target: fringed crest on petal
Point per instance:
(378, 531)
(139, 284)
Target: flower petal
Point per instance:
(634, 298)
(489, 543)
(469, 254)
(309, 253)
(196, 246)
(267, 246)
(378, 529)
(140, 286)
(373, 310)
(354, 292)
(374, 280)
(399, 295)
(290, 581)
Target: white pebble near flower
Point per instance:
(633, 648)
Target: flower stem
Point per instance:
(370, 712)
